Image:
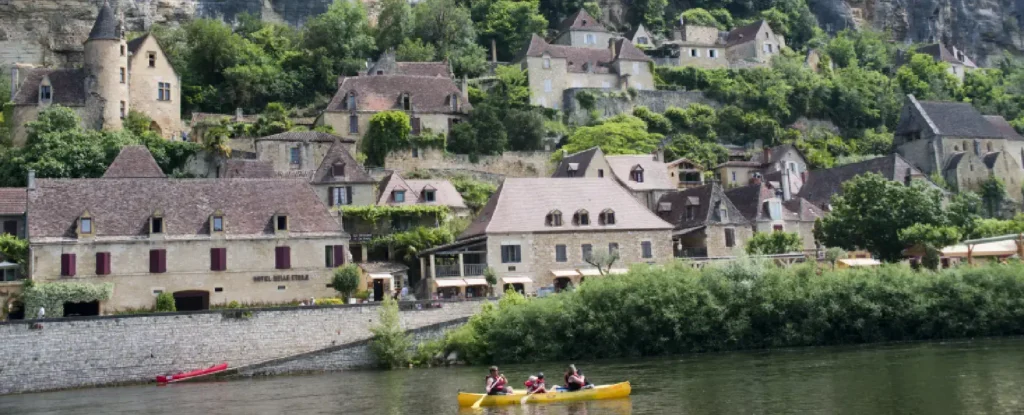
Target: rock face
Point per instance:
(51, 32)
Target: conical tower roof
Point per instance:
(106, 27)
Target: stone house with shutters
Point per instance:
(774, 209)
(706, 47)
(206, 241)
(706, 223)
(646, 177)
(818, 186)
(12, 210)
(753, 45)
(583, 31)
(685, 173)
(743, 170)
(640, 37)
(537, 233)
(117, 76)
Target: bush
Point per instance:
(329, 301)
(773, 243)
(346, 280)
(390, 344)
(165, 303)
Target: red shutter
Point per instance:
(283, 257)
(72, 265)
(223, 259)
(287, 257)
(330, 197)
(163, 260)
(214, 259)
(339, 255)
(157, 261)
(67, 265)
(277, 257)
(103, 263)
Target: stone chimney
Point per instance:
(31, 180)
(239, 114)
(786, 195)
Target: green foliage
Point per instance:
(165, 303)
(773, 243)
(137, 123)
(622, 134)
(52, 296)
(745, 305)
(425, 140)
(964, 212)
(927, 79)
(345, 280)
(985, 228)
(474, 193)
(525, 129)
(409, 243)
(388, 131)
(993, 193)
(14, 249)
(650, 12)
(510, 23)
(394, 25)
(376, 214)
(930, 235)
(390, 344)
(414, 50)
(483, 134)
(444, 24)
(834, 254)
(872, 210)
(700, 17)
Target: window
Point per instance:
(11, 227)
(414, 122)
(645, 249)
(547, 85)
(295, 156)
(334, 256)
(164, 91)
(636, 68)
(547, 62)
(713, 53)
(641, 40)
(398, 196)
(510, 254)
(157, 261)
(156, 225)
(67, 265)
(282, 287)
(281, 223)
(734, 177)
(85, 225)
(613, 248)
(406, 102)
(122, 50)
(590, 39)
(123, 77)
(694, 53)
(777, 228)
(607, 217)
(103, 263)
(775, 209)
(353, 124)
(730, 238)
(560, 254)
(218, 259)
(637, 174)
(581, 218)
(691, 212)
(45, 93)
(218, 224)
(282, 257)
(338, 170)
(123, 109)
(553, 219)
(600, 172)
(152, 59)
(723, 212)
(454, 100)
(429, 195)
(415, 152)
(350, 101)
(586, 250)
(340, 196)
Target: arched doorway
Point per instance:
(91, 308)
(16, 311)
(154, 127)
(192, 300)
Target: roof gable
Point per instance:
(384, 92)
(706, 197)
(744, 34)
(655, 173)
(134, 162)
(353, 171)
(957, 119)
(581, 20)
(625, 50)
(67, 87)
(107, 26)
(580, 160)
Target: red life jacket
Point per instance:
(499, 383)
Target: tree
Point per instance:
(14, 249)
(337, 42)
(872, 210)
(774, 243)
(525, 129)
(932, 239)
(414, 50)
(602, 260)
(165, 303)
(651, 13)
(137, 123)
(485, 133)
(491, 279)
(927, 79)
(834, 254)
(394, 24)
(346, 280)
(697, 16)
(993, 193)
(445, 24)
(469, 60)
(622, 134)
(964, 212)
(388, 131)
(390, 343)
(510, 24)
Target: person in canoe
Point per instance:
(574, 379)
(496, 384)
(535, 384)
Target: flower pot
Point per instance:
(353, 300)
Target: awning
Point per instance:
(516, 280)
(618, 271)
(450, 282)
(1000, 248)
(859, 262)
(476, 281)
(565, 273)
(590, 272)
(381, 276)
(6, 265)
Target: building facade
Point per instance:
(583, 31)
(771, 209)
(706, 223)
(116, 77)
(742, 170)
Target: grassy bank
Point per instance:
(745, 305)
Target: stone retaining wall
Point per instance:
(95, 351)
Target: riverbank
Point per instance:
(745, 305)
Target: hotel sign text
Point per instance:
(279, 278)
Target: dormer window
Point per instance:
(281, 222)
(455, 102)
(338, 170)
(691, 212)
(156, 225)
(45, 93)
(581, 218)
(350, 101)
(723, 212)
(85, 225)
(553, 219)
(217, 222)
(637, 174)
(774, 209)
(429, 195)
(607, 217)
(547, 62)
(398, 196)
(406, 102)
(571, 169)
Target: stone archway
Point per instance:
(154, 127)
(192, 300)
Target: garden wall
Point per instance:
(95, 351)
(611, 103)
(507, 164)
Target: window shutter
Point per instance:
(504, 255)
(348, 192)
(67, 265)
(163, 260)
(157, 261)
(277, 257)
(283, 257)
(339, 255)
(72, 265)
(214, 260)
(287, 257)
(103, 263)
(330, 196)
(223, 259)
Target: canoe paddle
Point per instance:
(523, 401)
(478, 402)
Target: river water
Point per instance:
(963, 377)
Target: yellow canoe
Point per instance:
(618, 390)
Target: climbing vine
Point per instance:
(427, 140)
(52, 296)
(374, 214)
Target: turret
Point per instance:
(106, 69)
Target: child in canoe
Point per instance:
(535, 384)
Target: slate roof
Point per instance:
(107, 27)
(1003, 127)
(248, 169)
(776, 154)
(384, 92)
(627, 51)
(67, 87)
(581, 159)
(135, 44)
(581, 20)
(704, 197)
(305, 136)
(598, 58)
(655, 172)
(437, 69)
(520, 205)
(821, 184)
(134, 162)
(121, 208)
(750, 201)
(631, 34)
(958, 119)
(445, 192)
(939, 52)
(354, 172)
(744, 34)
(13, 200)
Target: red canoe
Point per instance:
(185, 375)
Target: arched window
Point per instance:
(581, 218)
(554, 218)
(607, 217)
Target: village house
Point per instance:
(964, 147)
(706, 223)
(685, 173)
(958, 61)
(536, 233)
(116, 77)
(646, 176)
(741, 170)
(583, 31)
(776, 209)
(819, 186)
(13, 201)
(424, 90)
(206, 241)
(706, 47)
(640, 37)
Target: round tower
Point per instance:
(106, 71)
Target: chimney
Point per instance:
(31, 180)
(785, 185)
(767, 154)
(238, 114)
(15, 81)
(494, 51)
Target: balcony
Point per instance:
(474, 270)
(452, 270)
(699, 252)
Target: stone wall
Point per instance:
(612, 103)
(509, 164)
(94, 351)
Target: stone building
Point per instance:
(583, 31)
(206, 241)
(640, 37)
(748, 46)
(771, 209)
(753, 45)
(537, 233)
(685, 173)
(553, 68)
(116, 77)
(12, 211)
(645, 176)
(742, 170)
(706, 223)
(958, 61)
(966, 148)
(424, 90)
(819, 186)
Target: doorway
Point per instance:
(91, 308)
(17, 311)
(378, 290)
(562, 283)
(192, 300)
(517, 287)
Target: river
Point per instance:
(960, 377)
